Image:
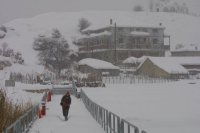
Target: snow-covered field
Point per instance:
(156, 108)
(160, 107)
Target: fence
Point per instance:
(61, 89)
(110, 122)
(134, 80)
(24, 123)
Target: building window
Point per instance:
(155, 41)
(155, 30)
(145, 40)
(133, 40)
(138, 29)
(138, 40)
(145, 30)
(121, 40)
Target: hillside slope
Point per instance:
(183, 29)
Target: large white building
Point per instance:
(116, 43)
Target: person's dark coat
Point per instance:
(65, 103)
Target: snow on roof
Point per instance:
(130, 60)
(142, 59)
(99, 34)
(125, 25)
(97, 64)
(169, 64)
(139, 33)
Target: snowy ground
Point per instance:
(156, 108)
(18, 94)
(80, 120)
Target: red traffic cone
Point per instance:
(43, 111)
(39, 114)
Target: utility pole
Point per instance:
(115, 42)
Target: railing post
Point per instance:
(122, 127)
(143, 131)
(136, 130)
(118, 125)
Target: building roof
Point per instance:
(173, 65)
(130, 60)
(169, 65)
(99, 34)
(97, 64)
(125, 25)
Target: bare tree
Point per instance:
(53, 51)
(83, 24)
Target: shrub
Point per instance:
(9, 111)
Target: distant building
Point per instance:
(189, 50)
(168, 6)
(116, 43)
(98, 67)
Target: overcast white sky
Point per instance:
(12, 9)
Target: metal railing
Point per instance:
(110, 122)
(23, 123)
(135, 80)
(61, 89)
(74, 90)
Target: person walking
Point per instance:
(65, 103)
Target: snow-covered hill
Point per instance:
(183, 29)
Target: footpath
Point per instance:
(80, 120)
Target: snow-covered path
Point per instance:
(80, 121)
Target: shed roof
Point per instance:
(173, 64)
